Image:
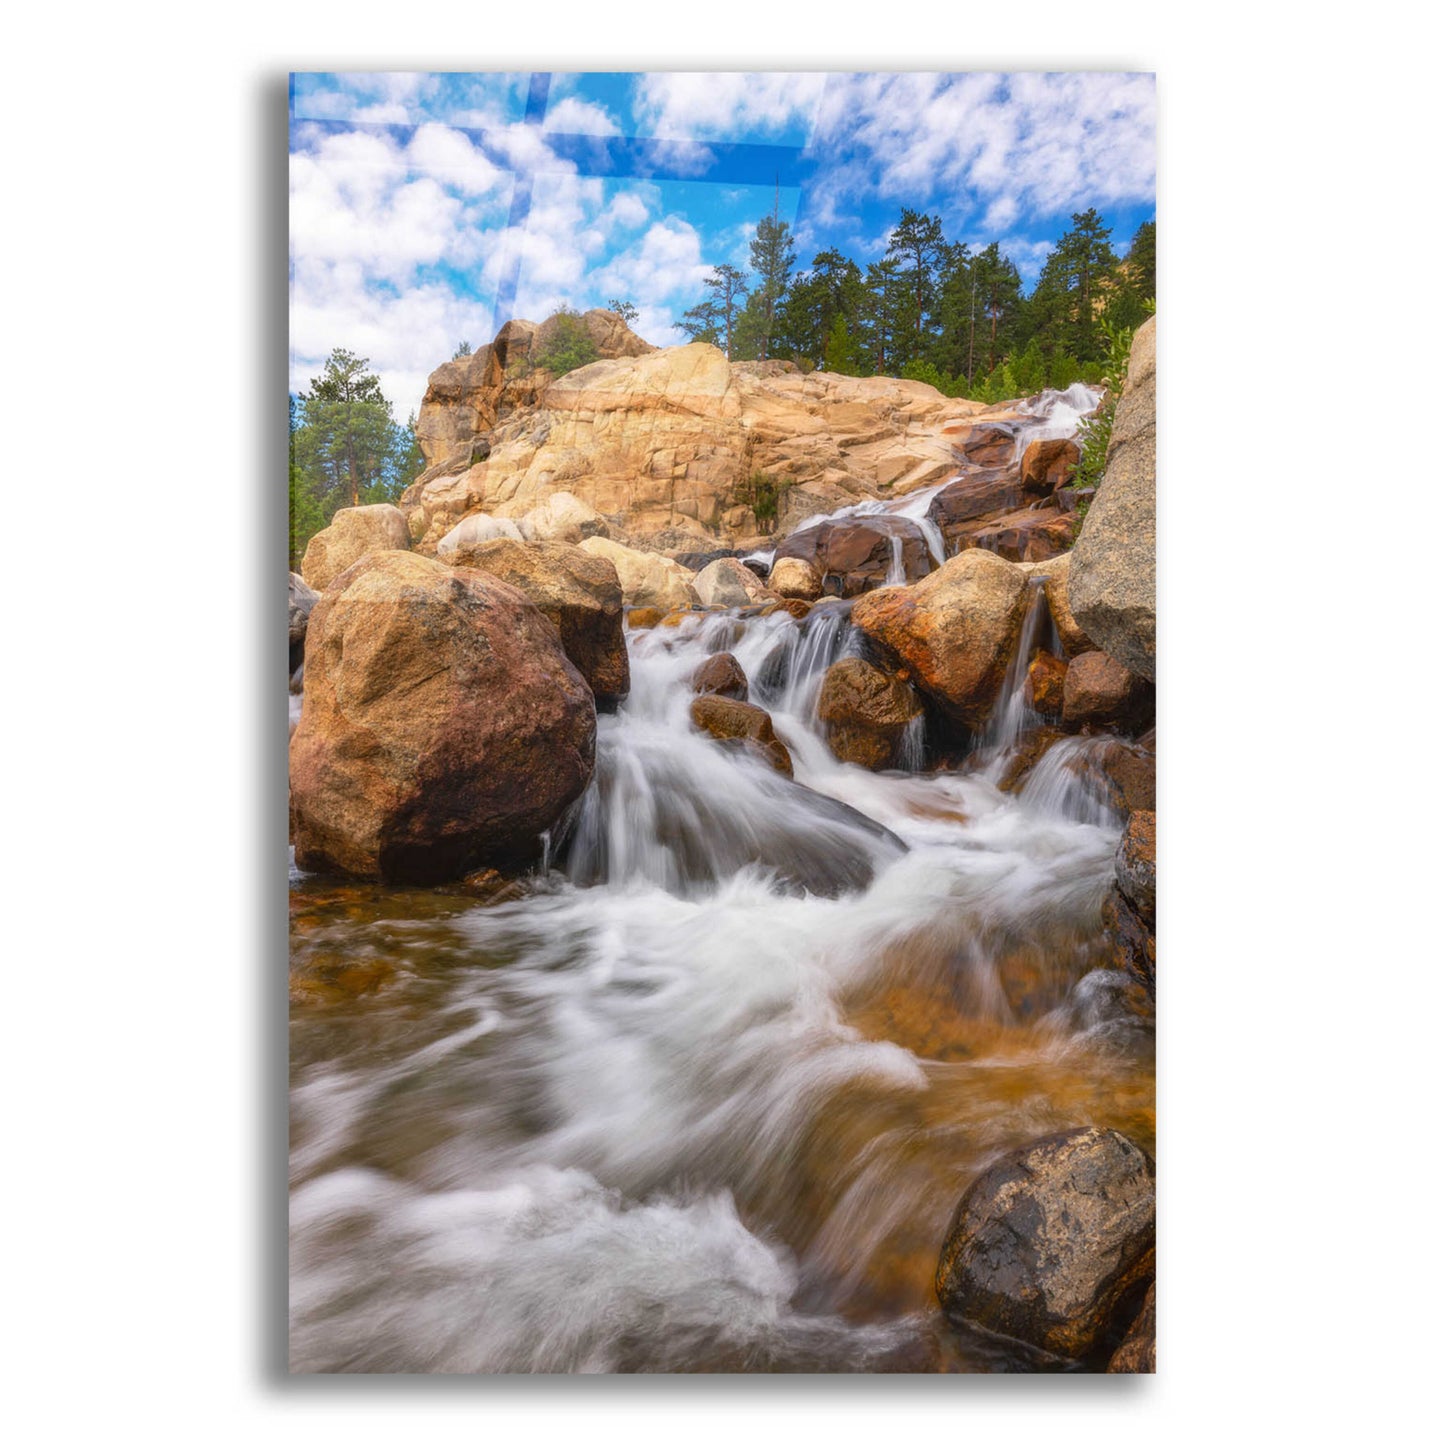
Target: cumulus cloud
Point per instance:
(1022, 146)
(721, 105)
(575, 116)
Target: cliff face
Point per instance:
(667, 440)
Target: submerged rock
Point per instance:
(866, 712)
(354, 533)
(723, 676)
(953, 632)
(443, 728)
(740, 722)
(1111, 581)
(579, 593)
(1053, 1243)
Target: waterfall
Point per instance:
(1013, 715)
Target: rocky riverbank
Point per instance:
(570, 677)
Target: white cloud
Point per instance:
(450, 156)
(574, 116)
(665, 265)
(721, 105)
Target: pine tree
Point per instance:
(345, 439)
(625, 309)
(917, 245)
(727, 288)
(772, 255)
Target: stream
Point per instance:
(704, 1092)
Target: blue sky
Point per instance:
(428, 208)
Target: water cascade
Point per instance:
(703, 1094)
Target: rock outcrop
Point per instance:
(647, 579)
(1054, 1243)
(353, 533)
(727, 583)
(670, 440)
(579, 593)
(865, 712)
(953, 632)
(1112, 578)
(443, 728)
(1102, 693)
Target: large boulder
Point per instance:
(581, 596)
(953, 632)
(647, 579)
(354, 533)
(476, 530)
(562, 518)
(1032, 534)
(795, 579)
(300, 600)
(865, 712)
(978, 493)
(1111, 581)
(1055, 573)
(852, 554)
(1102, 693)
(443, 727)
(1135, 1355)
(1047, 463)
(1054, 1244)
(740, 724)
(722, 674)
(727, 583)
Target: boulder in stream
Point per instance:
(852, 554)
(579, 593)
(741, 723)
(865, 712)
(795, 578)
(1102, 693)
(443, 727)
(953, 632)
(648, 579)
(727, 583)
(1054, 1244)
(722, 676)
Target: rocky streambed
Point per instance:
(732, 978)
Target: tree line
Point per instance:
(932, 309)
(347, 449)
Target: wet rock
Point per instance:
(579, 593)
(865, 712)
(795, 577)
(853, 554)
(647, 579)
(1131, 939)
(989, 445)
(1025, 757)
(644, 617)
(354, 533)
(727, 583)
(1029, 535)
(723, 676)
(1046, 684)
(1111, 581)
(1047, 464)
(1055, 573)
(1053, 1244)
(976, 495)
(301, 599)
(1134, 863)
(443, 727)
(1128, 774)
(795, 607)
(952, 632)
(1135, 1355)
(741, 723)
(1102, 693)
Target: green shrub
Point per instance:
(568, 346)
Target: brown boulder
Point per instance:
(644, 617)
(795, 578)
(1033, 534)
(953, 632)
(1053, 1243)
(977, 494)
(742, 724)
(1055, 573)
(1135, 1355)
(354, 533)
(721, 675)
(1131, 939)
(1046, 684)
(578, 592)
(853, 554)
(300, 600)
(989, 445)
(1047, 464)
(1134, 863)
(727, 583)
(443, 727)
(1102, 693)
(865, 712)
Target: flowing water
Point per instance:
(704, 1093)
